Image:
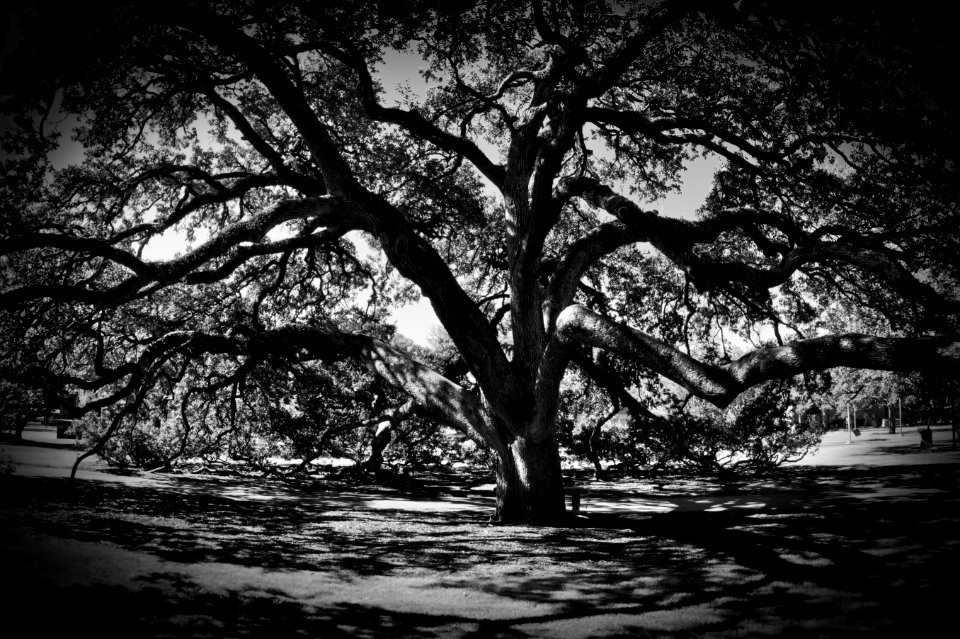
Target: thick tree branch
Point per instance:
(439, 398)
(611, 70)
(691, 130)
(219, 196)
(720, 385)
(582, 254)
(334, 169)
(413, 257)
(675, 239)
(74, 244)
(412, 121)
(335, 212)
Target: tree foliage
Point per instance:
(512, 192)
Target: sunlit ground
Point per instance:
(859, 539)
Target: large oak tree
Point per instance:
(513, 194)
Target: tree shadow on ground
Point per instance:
(937, 448)
(153, 611)
(852, 551)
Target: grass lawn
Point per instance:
(858, 539)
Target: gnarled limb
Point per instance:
(675, 239)
(437, 397)
(431, 395)
(227, 243)
(413, 121)
(613, 68)
(700, 132)
(720, 385)
(334, 169)
(413, 257)
(220, 196)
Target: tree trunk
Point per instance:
(19, 425)
(593, 443)
(379, 444)
(530, 484)
(593, 451)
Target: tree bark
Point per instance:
(380, 442)
(593, 443)
(19, 425)
(720, 385)
(529, 483)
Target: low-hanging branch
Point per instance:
(437, 397)
(720, 385)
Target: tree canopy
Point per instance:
(510, 184)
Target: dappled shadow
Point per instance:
(911, 446)
(270, 525)
(881, 553)
(828, 551)
(176, 607)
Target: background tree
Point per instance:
(18, 403)
(511, 195)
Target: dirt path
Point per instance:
(861, 538)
